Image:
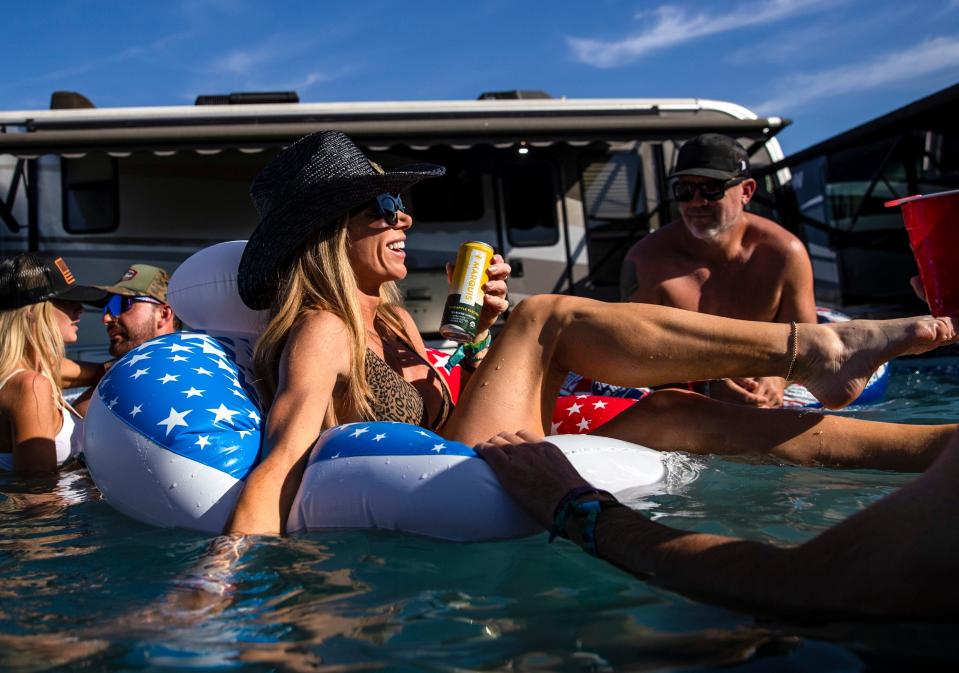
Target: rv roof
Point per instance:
(375, 124)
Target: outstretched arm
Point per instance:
(75, 373)
(874, 563)
(316, 353)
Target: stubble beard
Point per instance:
(129, 341)
(710, 234)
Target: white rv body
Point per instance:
(560, 187)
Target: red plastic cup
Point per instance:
(932, 222)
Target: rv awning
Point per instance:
(457, 124)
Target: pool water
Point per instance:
(84, 588)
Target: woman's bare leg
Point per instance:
(676, 420)
(640, 344)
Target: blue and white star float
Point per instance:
(402, 477)
(172, 430)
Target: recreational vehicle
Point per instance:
(561, 187)
(835, 201)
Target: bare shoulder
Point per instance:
(407, 319)
(30, 381)
(318, 324)
(27, 390)
(318, 338)
(411, 329)
(774, 237)
(655, 243)
(649, 262)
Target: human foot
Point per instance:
(836, 360)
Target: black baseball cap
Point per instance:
(32, 277)
(712, 155)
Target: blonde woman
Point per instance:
(40, 306)
(339, 348)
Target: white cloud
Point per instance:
(799, 90)
(793, 46)
(674, 25)
(272, 65)
(298, 84)
(246, 61)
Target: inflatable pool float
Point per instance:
(171, 431)
(400, 477)
(174, 428)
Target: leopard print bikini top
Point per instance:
(395, 398)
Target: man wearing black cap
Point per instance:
(719, 259)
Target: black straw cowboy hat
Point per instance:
(306, 189)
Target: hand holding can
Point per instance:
(496, 301)
(461, 315)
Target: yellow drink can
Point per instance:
(465, 300)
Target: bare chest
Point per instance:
(747, 292)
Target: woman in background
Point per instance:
(40, 307)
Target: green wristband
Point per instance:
(466, 353)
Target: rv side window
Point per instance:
(455, 197)
(613, 187)
(529, 204)
(615, 207)
(89, 188)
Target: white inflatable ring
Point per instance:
(203, 293)
(404, 478)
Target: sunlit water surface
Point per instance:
(84, 588)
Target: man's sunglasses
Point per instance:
(387, 207)
(711, 191)
(121, 304)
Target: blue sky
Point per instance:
(826, 64)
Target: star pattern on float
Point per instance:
(384, 438)
(581, 414)
(210, 412)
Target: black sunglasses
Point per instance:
(711, 191)
(387, 207)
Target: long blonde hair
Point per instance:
(321, 279)
(31, 336)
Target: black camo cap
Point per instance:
(32, 277)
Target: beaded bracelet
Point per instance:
(590, 509)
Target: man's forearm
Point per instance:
(724, 570)
(75, 373)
